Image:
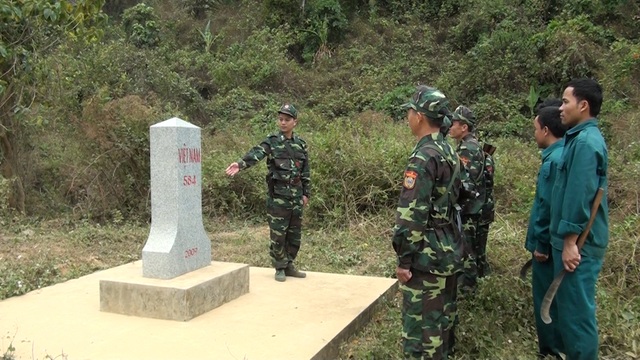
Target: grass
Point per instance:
(496, 324)
(353, 237)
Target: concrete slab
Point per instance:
(181, 298)
(298, 319)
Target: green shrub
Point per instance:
(355, 170)
(392, 101)
(516, 170)
(326, 24)
(622, 75)
(141, 25)
(244, 195)
(278, 12)
(243, 63)
(570, 49)
(499, 76)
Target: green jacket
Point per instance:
(425, 237)
(472, 158)
(538, 236)
(288, 163)
(582, 170)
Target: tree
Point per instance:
(29, 29)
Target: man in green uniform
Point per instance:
(487, 215)
(580, 172)
(289, 183)
(426, 237)
(472, 157)
(548, 133)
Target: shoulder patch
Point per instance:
(409, 179)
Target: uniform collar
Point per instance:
(551, 148)
(468, 137)
(583, 125)
(429, 138)
(282, 137)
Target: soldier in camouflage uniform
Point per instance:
(488, 212)
(471, 154)
(426, 237)
(289, 183)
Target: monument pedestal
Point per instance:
(182, 298)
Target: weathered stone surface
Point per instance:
(181, 298)
(177, 240)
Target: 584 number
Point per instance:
(188, 180)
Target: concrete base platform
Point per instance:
(181, 298)
(298, 319)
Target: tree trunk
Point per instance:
(10, 166)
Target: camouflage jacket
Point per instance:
(472, 158)
(288, 164)
(425, 236)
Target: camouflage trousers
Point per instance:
(429, 315)
(482, 235)
(285, 225)
(468, 279)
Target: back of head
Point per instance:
(589, 90)
(549, 102)
(429, 101)
(550, 117)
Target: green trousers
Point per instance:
(549, 340)
(429, 315)
(577, 308)
(468, 278)
(482, 235)
(285, 225)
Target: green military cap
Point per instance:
(429, 101)
(465, 115)
(289, 110)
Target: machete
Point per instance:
(525, 268)
(553, 288)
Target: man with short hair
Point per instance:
(548, 133)
(580, 172)
(471, 154)
(289, 185)
(426, 238)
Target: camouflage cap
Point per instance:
(464, 114)
(289, 110)
(429, 101)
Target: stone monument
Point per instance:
(177, 279)
(177, 241)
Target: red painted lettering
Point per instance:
(189, 180)
(190, 252)
(189, 155)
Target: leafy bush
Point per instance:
(570, 49)
(355, 170)
(243, 195)
(115, 176)
(141, 26)
(500, 76)
(391, 102)
(242, 64)
(326, 24)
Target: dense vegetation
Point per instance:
(79, 89)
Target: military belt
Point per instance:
(295, 181)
